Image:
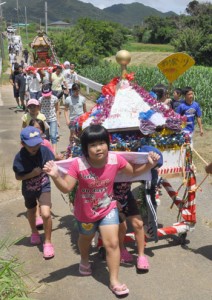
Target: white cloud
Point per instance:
(178, 6)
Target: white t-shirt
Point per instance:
(75, 105)
(12, 58)
(33, 82)
(48, 107)
(70, 77)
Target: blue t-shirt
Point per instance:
(175, 103)
(24, 163)
(191, 111)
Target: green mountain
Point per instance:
(72, 10)
(132, 14)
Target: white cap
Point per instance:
(66, 63)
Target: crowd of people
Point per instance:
(100, 204)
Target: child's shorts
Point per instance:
(42, 198)
(129, 210)
(90, 228)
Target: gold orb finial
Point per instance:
(123, 57)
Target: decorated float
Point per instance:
(44, 55)
(135, 119)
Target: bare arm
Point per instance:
(24, 124)
(64, 184)
(199, 122)
(65, 84)
(84, 108)
(57, 108)
(35, 172)
(66, 114)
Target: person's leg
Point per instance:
(31, 215)
(142, 261)
(53, 135)
(17, 101)
(45, 208)
(22, 99)
(47, 222)
(109, 234)
(86, 234)
(16, 96)
(39, 220)
(30, 204)
(122, 233)
(138, 228)
(45, 205)
(84, 242)
(38, 95)
(125, 256)
(109, 227)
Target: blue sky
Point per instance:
(178, 6)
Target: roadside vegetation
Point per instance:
(12, 285)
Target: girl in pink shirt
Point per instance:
(94, 207)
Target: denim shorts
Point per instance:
(53, 131)
(90, 228)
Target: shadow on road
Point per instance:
(205, 251)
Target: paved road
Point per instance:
(176, 272)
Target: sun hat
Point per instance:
(66, 63)
(31, 136)
(46, 90)
(33, 102)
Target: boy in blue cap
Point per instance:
(28, 167)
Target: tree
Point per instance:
(192, 8)
(158, 30)
(194, 33)
(89, 40)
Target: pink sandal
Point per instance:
(120, 289)
(35, 239)
(48, 251)
(142, 263)
(85, 270)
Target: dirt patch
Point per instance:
(202, 145)
(144, 58)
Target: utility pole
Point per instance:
(1, 31)
(26, 25)
(46, 18)
(18, 17)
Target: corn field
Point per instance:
(199, 78)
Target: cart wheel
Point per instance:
(182, 239)
(102, 253)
